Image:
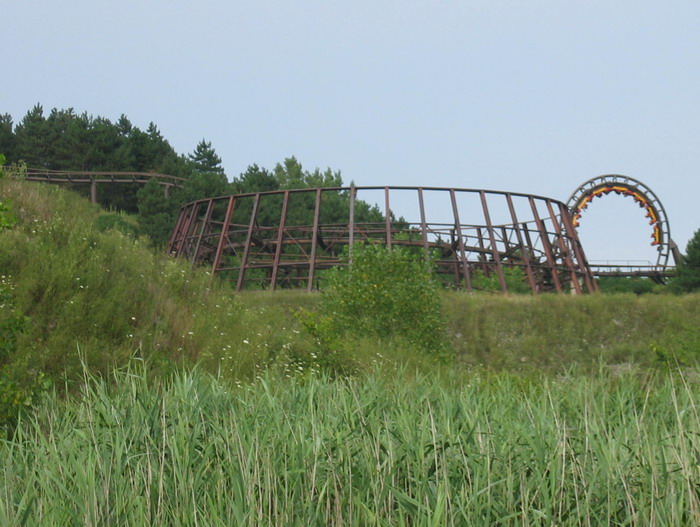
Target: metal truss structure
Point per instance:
(661, 233)
(93, 178)
(288, 238)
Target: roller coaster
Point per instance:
(94, 178)
(532, 236)
(289, 238)
(646, 199)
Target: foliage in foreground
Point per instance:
(610, 449)
(73, 287)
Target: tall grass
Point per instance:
(481, 450)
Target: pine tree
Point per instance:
(156, 218)
(688, 278)
(7, 137)
(32, 135)
(255, 179)
(205, 160)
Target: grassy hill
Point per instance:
(155, 395)
(76, 289)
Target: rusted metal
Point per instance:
(460, 243)
(480, 239)
(551, 260)
(205, 225)
(248, 242)
(351, 222)
(314, 240)
(187, 225)
(387, 217)
(286, 254)
(423, 224)
(563, 247)
(494, 252)
(544, 238)
(590, 283)
(280, 237)
(95, 177)
(88, 176)
(223, 238)
(176, 231)
(521, 243)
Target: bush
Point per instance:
(514, 276)
(390, 295)
(619, 284)
(116, 222)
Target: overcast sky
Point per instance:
(530, 96)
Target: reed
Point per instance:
(614, 448)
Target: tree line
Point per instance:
(67, 140)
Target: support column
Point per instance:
(351, 224)
(544, 238)
(314, 241)
(223, 237)
(564, 247)
(93, 190)
(279, 242)
(460, 242)
(205, 224)
(525, 251)
(423, 225)
(387, 213)
(492, 238)
(248, 241)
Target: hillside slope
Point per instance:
(73, 291)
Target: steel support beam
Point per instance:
(280, 236)
(314, 241)
(494, 250)
(544, 238)
(460, 242)
(248, 241)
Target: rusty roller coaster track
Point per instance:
(287, 238)
(93, 178)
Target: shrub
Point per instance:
(617, 284)
(116, 222)
(386, 294)
(514, 277)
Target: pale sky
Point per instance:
(529, 96)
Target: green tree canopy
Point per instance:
(67, 140)
(156, 213)
(205, 160)
(7, 137)
(688, 278)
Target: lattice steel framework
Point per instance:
(627, 186)
(288, 238)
